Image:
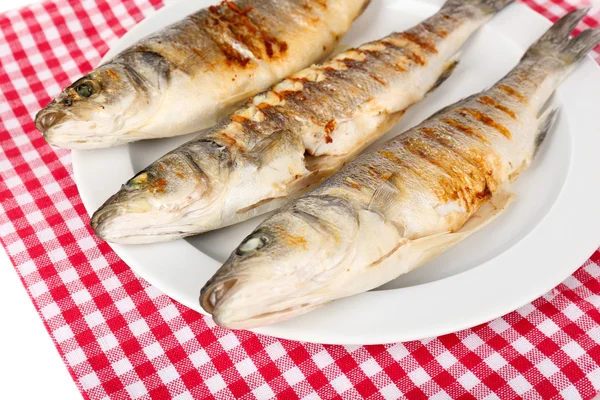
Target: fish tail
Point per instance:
(487, 7)
(557, 43)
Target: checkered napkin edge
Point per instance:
(121, 338)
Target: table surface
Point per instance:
(26, 348)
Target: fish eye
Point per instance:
(84, 89)
(252, 244)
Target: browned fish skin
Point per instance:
(343, 84)
(199, 69)
(293, 136)
(393, 209)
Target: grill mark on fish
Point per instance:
(491, 102)
(472, 156)
(461, 178)
(512, 92)
(381, 81)
(524, 77)
(235, 8)
(240, 119)
(487, 120)
(408, 53)
(463, 128)
(421, 42)
(188, 158)
(228, 21)
(439, 32)
(397, 163)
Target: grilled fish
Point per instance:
(293, 136)
(192, 74)
(393, 209)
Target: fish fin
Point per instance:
(546, 122)
(446, 73)
(491, 209)
(556, 42)
(411, 254)
(280, 142)
(384, 196)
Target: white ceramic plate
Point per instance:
(548, 232)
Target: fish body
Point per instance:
(291, 137)
(393, 209)
(189, 75)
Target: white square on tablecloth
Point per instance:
(548, 327)
(263, 392)
(75, 357)
(275, 351)
(89, 381)
(229, 341)
(81, 296)
(107, 342)
(468, 380)
(184, 334)
(522, 345)
(341, 384)
(153, 350)
(245, 367)
(50, 311)
(391, 391)
(547, 367)
(495, 361)
(168, 374)
(322, 359)
(136, 390)
(446, 359)
(419, 376)
(519, 384)
(293, 376)
(122, 366)
(169, 312)
(573, 350)
(370, 367)
(215, 383)
(199, 358)
(94, 319)
(124, 305)
(139, 327)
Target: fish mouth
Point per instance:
(218, 300)
(75, 142)
(117, 225)
(46, 119)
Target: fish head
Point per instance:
(159, 203)
(98, 109)
(286, 267)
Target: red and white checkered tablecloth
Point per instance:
(121, 338)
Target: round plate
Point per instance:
(546, 234)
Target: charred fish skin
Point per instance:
(293, 136)
(189, 75)
(393, 209)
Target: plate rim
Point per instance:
(130, 254)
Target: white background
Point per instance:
(30, 366)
